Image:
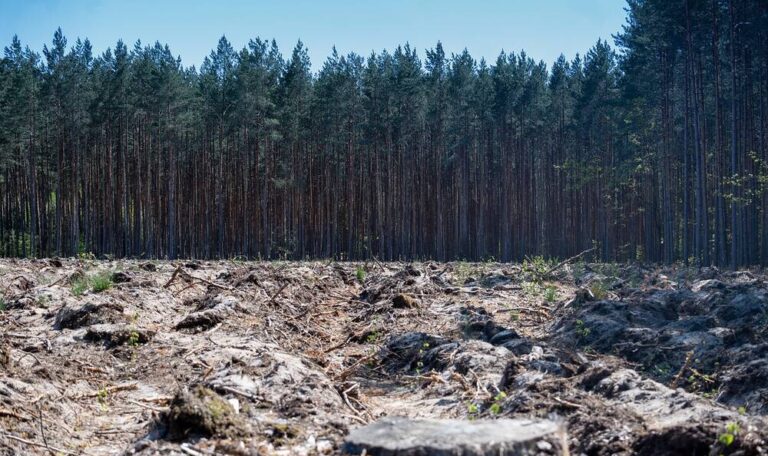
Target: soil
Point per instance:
(261, 358)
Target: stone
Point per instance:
(395, 436)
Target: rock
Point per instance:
(409, 437)
(202, 412)
(404, 301)
(113, 335)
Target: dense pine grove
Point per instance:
(656, 150)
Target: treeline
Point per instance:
(655, 151)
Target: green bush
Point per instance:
(96, 283)
(101, 282)
(360, 274)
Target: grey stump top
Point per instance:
(395, 436)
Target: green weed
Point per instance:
(96, 283)
(581, 329)
(550, 294)
(729, 436)
(360, 274)
(599, 290)
(101, 282)
(495, 408)
(79, 286)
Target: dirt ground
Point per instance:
(262, 358)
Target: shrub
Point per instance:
(101, 282)
(360, 274)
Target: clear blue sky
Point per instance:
(543, 28)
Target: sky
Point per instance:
(543, 28)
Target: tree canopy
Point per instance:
(656, 149)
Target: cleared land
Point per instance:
(134, 357)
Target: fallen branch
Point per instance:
(39, 445)
(109, 390)
(173, 277)
(683, 368)
(179, 271)
(12, 414)
(566, 261)
(567, 403)
(274, 296)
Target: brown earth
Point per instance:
(287, 357)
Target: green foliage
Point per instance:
(495, 407)
(360, 274)
(461, 272)
(581, 329)
(3, 305)
(729, 436)
(599, 290)
(537, 266)
(531, 288)
(80, 286)
(102, 397)
(101, 282)
(133, 339)
(96, 283)
(550, 294)
(372, 338)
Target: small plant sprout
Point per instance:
(101, 282)
(372, 338)
(3, 305)
(360, 274)
(599, 290)
(729, 436)
(495, 408)
(472, 409)
(133, 339)
(102, 396)
(79, 286)
(581, 329)
(550, 294)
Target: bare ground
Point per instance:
(285, 358)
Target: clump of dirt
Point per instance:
(73, 316)
(707, 336)
(209, 313)
(114, 335)
(200, 412)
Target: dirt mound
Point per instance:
(707, 337)
(203, 413)
(73, 316)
